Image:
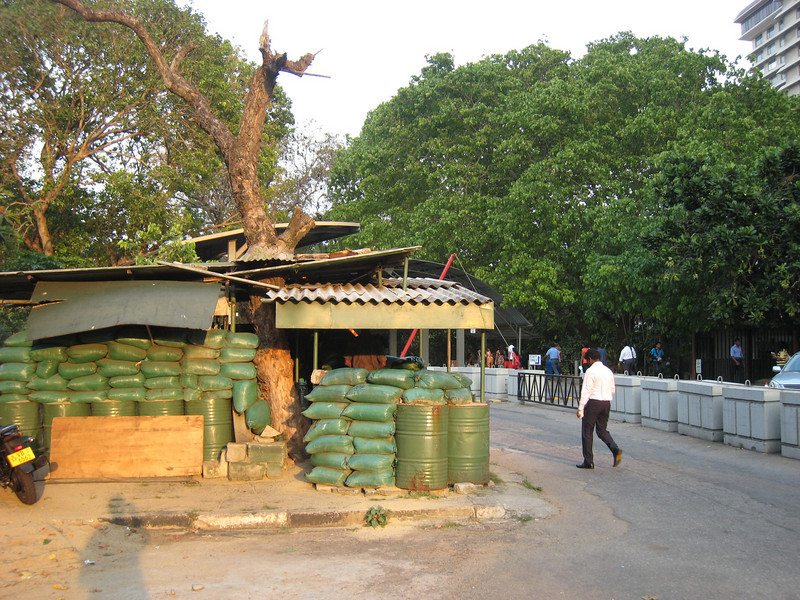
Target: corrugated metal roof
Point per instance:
(418, 291)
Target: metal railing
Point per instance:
(549, 389)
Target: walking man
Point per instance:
(553, 360)
(627, 360)
(595, 405)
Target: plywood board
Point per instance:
(126, 447)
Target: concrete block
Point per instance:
(236, 452)
(274, 470)
(212, 469)
(270, 452)
(242, 471)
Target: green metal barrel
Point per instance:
(421, 438)
(61, 409)
(26, 415)
(113, 408)
(468, 444)
(217, 424)
(161, 408)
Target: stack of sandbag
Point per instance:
(16, 369)
(437, 387)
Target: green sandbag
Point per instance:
(341, 444)
(121, 351)
(121, 381)
(459, 396)
(42, 353)
(237, 354)
(159, 368)
(174, 337)
(209, 395)
(214, 382)
(200, 366)
(359, 411)
(192, 394)
(47, 368)
(131, 394)
(13, 398)
(200, 352)
(85, 353)
(53, 383)
(15, 354)
(134, 336)
(49, 397)
(213, 338)
(435, 380)
(328, 393)
(13, 387)
(95, 381)
(401, 378)
(69, 370)
(371, 429)
(258, 416)
(88, 396)
(345, 376)
(241, 340)
(111, 368)
(164, 394)
(326, 427)
(238, 370)
(325, 410)
(466, 382)
(424, 396)
(385, 445)
(18, 340)
(359, 479)
(164, 353)
(245, 394)
(374, 394)
(371, 463)
(160, 383)
(189, 381)
(410, 363)
(326, 476)
(332, 460)
(13, 371)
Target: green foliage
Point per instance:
(375, 516)
(155, 243)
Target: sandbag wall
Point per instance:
(352, 438)
(125, 371)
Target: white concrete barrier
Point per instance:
(700, 409)
(626, 405)
(660, 403)
(790, 423)
(751, 418)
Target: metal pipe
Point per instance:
(316, 350)
(405, 275)
(483, 366)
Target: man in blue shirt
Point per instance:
(553, 360)
(737, 361)
(657, 358)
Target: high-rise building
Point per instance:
(773, 26)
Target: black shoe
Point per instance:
(585, 465)
(617, 458)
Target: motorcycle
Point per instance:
(18, 462)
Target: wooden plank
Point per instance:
(126, 447)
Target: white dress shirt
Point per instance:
(598, 384)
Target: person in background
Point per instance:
(584, 361)
(603, 355)
(499, 359)
(657, 358)
(489, 359)
(553, 360)
(737, 361)
(595, 405)
(513, 357)
(627, 359)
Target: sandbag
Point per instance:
(15, 354)
(95, 381)
(214, 382)
(328, 393)
(174, 337)
(164, 394)
(401, 378)
(69, 370)
(13, 398)
(121, 381)
(199, 352)
(12, 371)
(134, 336)
(18, 340)
(237, 354)
(410, 363)
(345, 376)
(53, 383)
(213, 338)
(360, 411)
(121, 351)
(332, 460)
(359, 479)
(238, 370)
(325, 410)
(109, 367)
(47, 368)
(385, 445)
(424, 396)
(245, 394)
(258, 416)
(192, 394)
(158, 368)
(326, 427)
(466, 382)
(459, 396)
(85, 353)
(131, 394)
(190, 381)
(374, 394)
(241, 340)
(160, 383)
(341, 444)
(435, 380)
(55, 353)
(326, 476)
(371, 463)
(49, 396)
(82, 397)
(209, 395)
(371, 429)
(164, 353)
(200, 366)
(13, 387)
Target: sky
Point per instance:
(368, 49)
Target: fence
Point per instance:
(549, 389)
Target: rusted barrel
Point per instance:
(468, 444)
(61, 409)
(217, 424)
(421, 438)
(26, 415)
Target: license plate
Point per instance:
(23, 456)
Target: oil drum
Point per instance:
(217, 424)
(26, 415)
(468, 444)
(421, 438)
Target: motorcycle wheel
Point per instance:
(23, 486)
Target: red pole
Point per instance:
(414, 333)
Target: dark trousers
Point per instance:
(595, 414)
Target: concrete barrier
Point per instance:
(790, 423)
(660, 403)
(626, 405)
(700, 409)
(751, 418)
